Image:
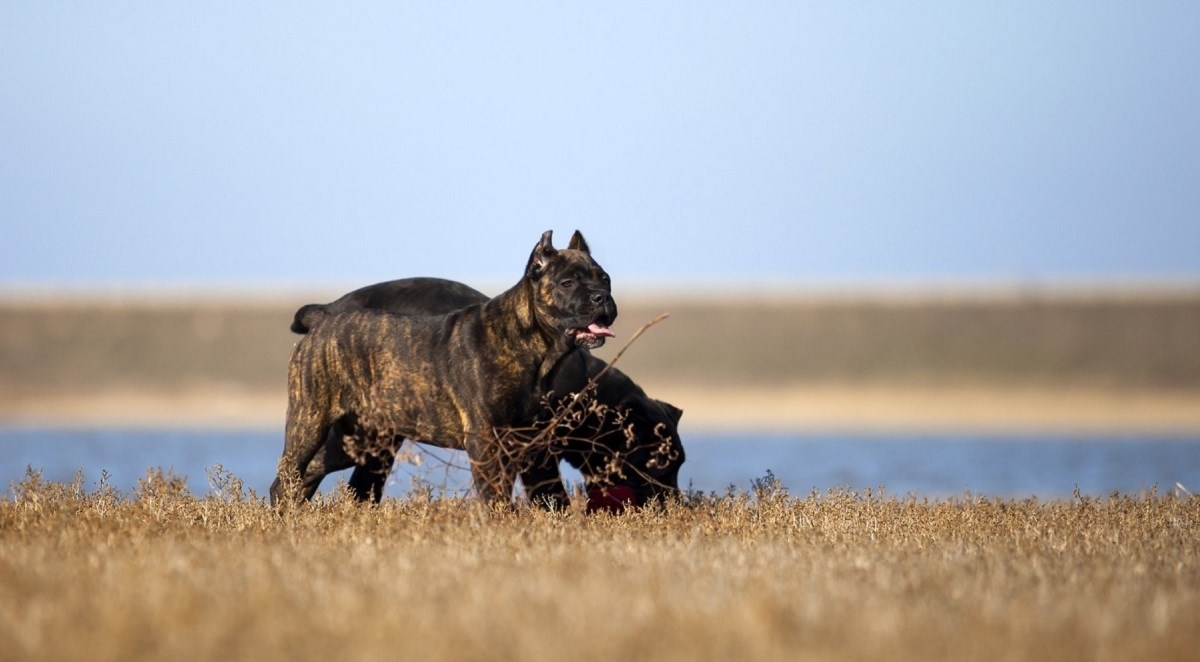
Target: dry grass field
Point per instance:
(162, 574)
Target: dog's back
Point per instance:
(409, 296)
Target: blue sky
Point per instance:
(310, 143)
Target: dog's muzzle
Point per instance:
(592, 335)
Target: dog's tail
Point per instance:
(307, 316)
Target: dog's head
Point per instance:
(655, 451)
(572, 294)
(634, 443)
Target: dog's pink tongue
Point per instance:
(597, 330)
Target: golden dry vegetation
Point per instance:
(163, 574)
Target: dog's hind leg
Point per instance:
(304, 435)
(370, 475)
(333, 455)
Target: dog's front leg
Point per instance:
(490, 469)
(543, 481)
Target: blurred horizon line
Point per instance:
(969, 288)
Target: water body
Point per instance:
(925, 465)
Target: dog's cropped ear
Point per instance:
(674, 412)
(541, 255)
(577, 243)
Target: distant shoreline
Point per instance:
(784, 409)
(1032, 363)
(649, 291)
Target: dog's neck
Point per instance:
(545, 343)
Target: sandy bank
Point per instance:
(789, 408)
(937, 409)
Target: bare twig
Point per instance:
(561, 415)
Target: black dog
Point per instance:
(646, 459)
(464, 380)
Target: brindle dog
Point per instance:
(464, 380)
(646, 459)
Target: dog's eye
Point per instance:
(566, 283)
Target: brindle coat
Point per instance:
(460, 380)
(646, 459)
